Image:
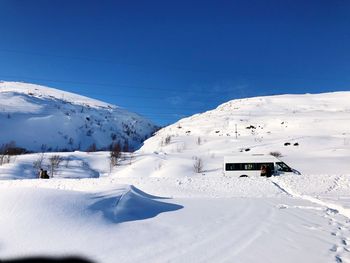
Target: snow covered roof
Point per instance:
(250, 158)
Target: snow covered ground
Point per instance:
(153, 207)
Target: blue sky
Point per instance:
(170, 59)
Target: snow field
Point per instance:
(154, 207)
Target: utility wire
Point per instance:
(109, 61)
(113, 85)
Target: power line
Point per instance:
(109, 61)
(112, 85)
(147, 98)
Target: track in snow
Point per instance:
(335, 214)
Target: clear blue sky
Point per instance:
(169, 59)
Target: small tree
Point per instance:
(54, 162)
(5, 152)
(38, 164)
(165, 141)
(4, 158)
(199, 141)
(114, 155)
(198, 165)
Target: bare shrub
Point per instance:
(54, 162)
(167, 140)
(276, 154)
(199, 141)
(4, 158)
(114, 155)
(11, 149)
(198, 165)
(8, 149)
(38, 164)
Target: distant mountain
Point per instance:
(40, 118)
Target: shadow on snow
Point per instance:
(130, 204)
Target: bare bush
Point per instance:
(276, 154)
(6, 150)
(198, 165)
(11, 149)
(114, 155)
(4, 158)
(54, 162)
(199, 141)
(38, 164)
(167, 140)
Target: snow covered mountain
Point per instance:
(41, 118)
(305, 129)
(181, 215)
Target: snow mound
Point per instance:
(132, 204)
(70, 218)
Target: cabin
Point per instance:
(250, 165)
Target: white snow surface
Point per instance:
(153, 207)
(37, 117)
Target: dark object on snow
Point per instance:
(43, 174)
(243, 175)
(287, 143)
(263, 170)
(296, 144)
(47, 260)
(247, 149)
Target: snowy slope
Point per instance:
(42, 118)
(308, 130)
(153, 207)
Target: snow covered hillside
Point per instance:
(157, 206)
(311, 132)
(40, 118)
